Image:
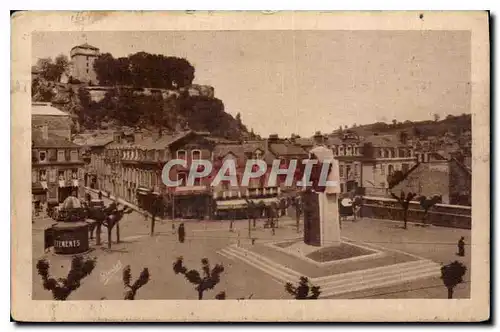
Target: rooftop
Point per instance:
(38, 108)
(383, 140)
(87, 46)
(93, 139)
(53, 141)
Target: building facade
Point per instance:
(57, 166)
(366, 162)
(82, 63)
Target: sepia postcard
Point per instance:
(222, 166)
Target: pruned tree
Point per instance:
(204, 281)
(427, 204)
(404, 202)
(61, 288)
(113, 217)
(304, 291)
(452, 275)
(252, 214)
(133, 288)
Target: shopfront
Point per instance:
(192, 202)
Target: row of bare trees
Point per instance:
(61, 288)
(404, 201)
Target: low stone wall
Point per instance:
(439, 215)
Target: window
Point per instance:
(42, 156)
(382, 169)
(52, 175)
(405, 167)
(87, 70)
(356, 169)
(182, 178)
(341, 150)
(61, 176)
(334, 150)
(61, 155)
(341, 187)
(348, 171)
(196, 155)
(43, 175)
(74, 174)
(349, 150)
(391, 169)
(380, 153)
(197, 182)
(393, 153)
(341, 171)
(181, 154)
(74, 155)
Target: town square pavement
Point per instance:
(204, 238)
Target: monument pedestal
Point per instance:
(321, 219)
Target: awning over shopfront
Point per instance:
(38, 189)
(191, 190)
(143, 191)
(241, 203)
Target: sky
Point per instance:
(284, 82)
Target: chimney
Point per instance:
(45, 132)
(273, 138)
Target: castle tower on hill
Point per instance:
(82, 63)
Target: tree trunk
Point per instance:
(117, 232)
(405, 217)
(109, 236)
(200, 295)
(450, 292)
(98, 234)
(153, 224)
(249, 228)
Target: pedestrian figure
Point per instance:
(461, 247)
(181, 233)
(173, 228)
(99, 195)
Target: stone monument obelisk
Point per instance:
(321, 211)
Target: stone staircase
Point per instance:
(343, 283)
